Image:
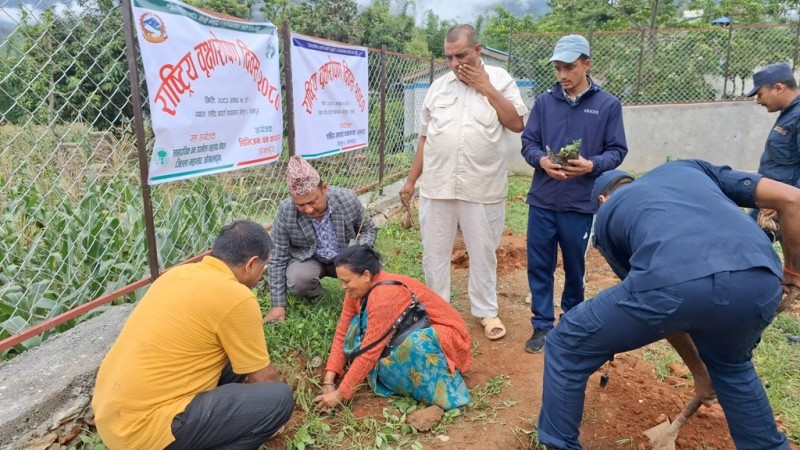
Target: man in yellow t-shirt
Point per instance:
(190, 369)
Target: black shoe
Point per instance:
(536, 342)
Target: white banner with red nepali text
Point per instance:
(214, 90)
(330, 97)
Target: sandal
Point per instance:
(490, 324)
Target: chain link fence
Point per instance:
(72, 226)
(665, 66)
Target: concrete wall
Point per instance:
(45, 392)
(731, 133)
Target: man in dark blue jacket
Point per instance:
(560, 211)
(696, 271)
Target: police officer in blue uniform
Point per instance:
(776, 89)
(696, 271)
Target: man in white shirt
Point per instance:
(462, 162)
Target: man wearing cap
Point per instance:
(685, 253)
(575, 110)
(462, 164)
(775, 88)
(310, 228)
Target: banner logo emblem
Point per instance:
(153, 28)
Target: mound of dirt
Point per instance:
(511, 254)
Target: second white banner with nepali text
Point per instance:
(330, 97)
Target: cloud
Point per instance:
(11, 16)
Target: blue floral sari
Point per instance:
(415, 368)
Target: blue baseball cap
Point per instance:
(604, 180)
(771, 74)
(569, 48)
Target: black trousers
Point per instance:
(234, 415)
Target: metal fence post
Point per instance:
(727, 61)
(287, 79)
(796, 45)
(138, 125)
(382, 132)
(639, 63)
(430, 80)
(510, 35)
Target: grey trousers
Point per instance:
(232, 416)
(302, 277)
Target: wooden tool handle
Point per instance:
(686, 414)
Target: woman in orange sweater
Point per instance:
(428, 363)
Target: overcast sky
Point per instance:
(456, 10)
(11, 10)
(467, 11)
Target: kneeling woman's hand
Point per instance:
(329, 399)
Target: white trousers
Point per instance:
(481, 225)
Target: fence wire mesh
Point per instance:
(72, 226)
(665, 66)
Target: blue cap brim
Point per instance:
(753, 91)
(604, 180)
(567, 57)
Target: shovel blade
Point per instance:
(661, 436)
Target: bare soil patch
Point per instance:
(615, 416)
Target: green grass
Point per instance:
(516, 208)
(778, 364)
(661, 355)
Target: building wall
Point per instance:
(731, 133)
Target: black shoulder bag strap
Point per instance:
(414, 301)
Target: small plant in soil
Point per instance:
(569, 151)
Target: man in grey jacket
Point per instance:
(311, 226)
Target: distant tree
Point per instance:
(499, 23)
(380, 27)
(783, 10)
(755, 47)
(435, 31)
(71, 67)
(278, 10)
(235, 8)
(681, 68)
(417, 46)
(742, 11)
(336, 20)
(575, 15)
(12, 78)
(11, 88)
